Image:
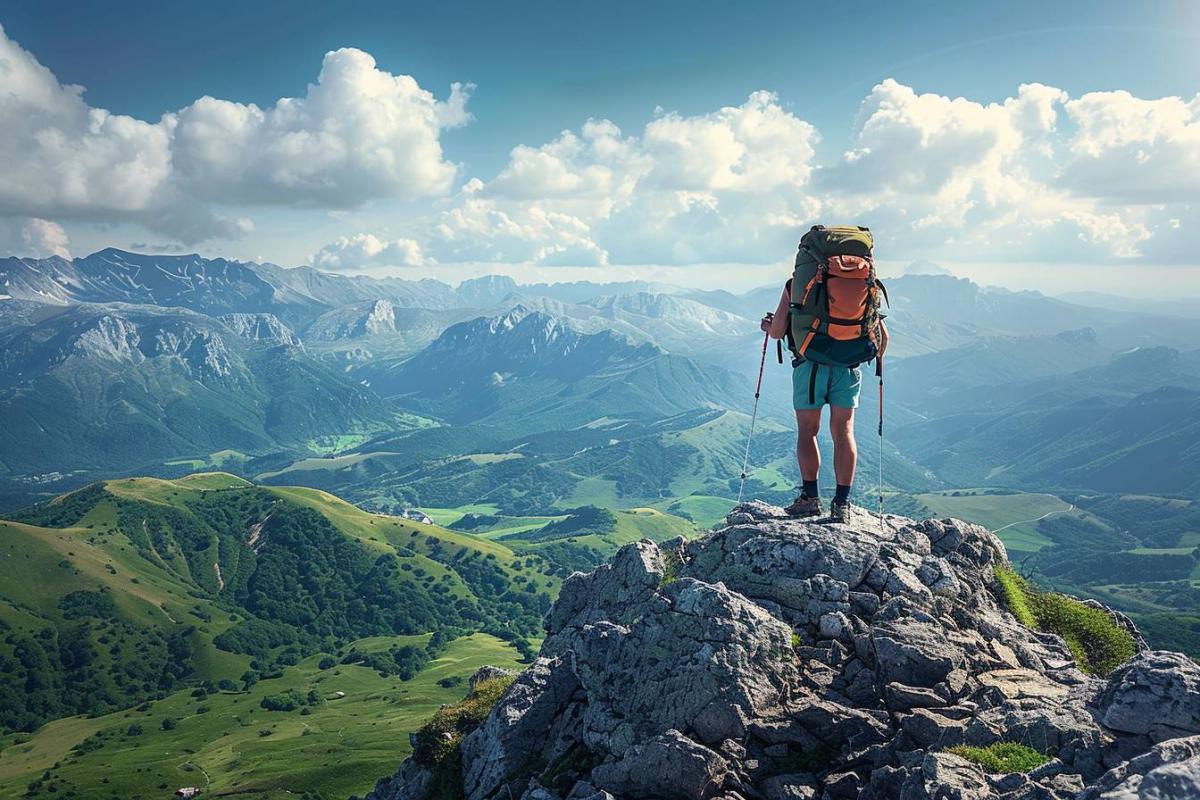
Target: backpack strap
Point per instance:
(791, 342)
(812, 331)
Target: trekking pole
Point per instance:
(879, 372)
(754, 416)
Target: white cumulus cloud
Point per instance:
(33, 237)
(1038, 175)
(367, 250)
(359, 133)
(1034, 176)
(1129, 150)
(728, 185)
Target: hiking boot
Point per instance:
(804, 506)
(839, 511)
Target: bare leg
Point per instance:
(845, 450)
(808, 424)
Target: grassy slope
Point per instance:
(38, 566)
(636, 524)
(339, 749)
(630, 525)
(705, 510)
(1013, 516)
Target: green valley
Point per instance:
(226, 742)
(196, 631)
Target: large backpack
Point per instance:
(835, 297)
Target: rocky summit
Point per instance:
(786, 660)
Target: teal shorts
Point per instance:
(814, 385)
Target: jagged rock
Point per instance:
(914, 653)
(585, 791)
(538, 792)
(928, 728)
(527, 726)
(901, 698)
(1170, 770)
(779, 659)
(1022, 683)
(411, 782)
(486, 673)
(789, 787)
(1156, 694)
(668, 766)
(944, 776)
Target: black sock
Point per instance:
(842, 494)
(808, 488)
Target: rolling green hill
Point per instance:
(686, 465)
(138, 591)
(161, 633)
(586, 536)
(1128, 425)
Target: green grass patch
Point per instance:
(704, 510)
(333, 443)
(671, 566)
(339, 748)
(1098, 644)
(437, 742)
(1002, 757)
(1013, 517)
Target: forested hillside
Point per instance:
(125, 590)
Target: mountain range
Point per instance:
(95, 388)
(184, 357)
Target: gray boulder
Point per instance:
(1169, 771)
(1156, 693)
(527, 726)
(943, 776)
(669, 766)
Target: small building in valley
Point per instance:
(187, 792)
(416, 515)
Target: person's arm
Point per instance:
(883, 338)
(776, 325)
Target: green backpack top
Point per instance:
(835, 297)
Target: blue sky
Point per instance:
(539, 69)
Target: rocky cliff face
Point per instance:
(782, 660)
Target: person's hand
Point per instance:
(765, 325)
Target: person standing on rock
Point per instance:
(829, 314)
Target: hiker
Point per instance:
(829, 316)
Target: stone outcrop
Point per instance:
(786, 660)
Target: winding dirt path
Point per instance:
(1070, 507)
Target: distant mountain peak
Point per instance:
(263, 328)
(382, 317)
(486, 290)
